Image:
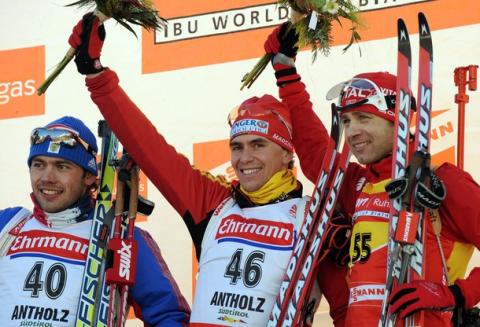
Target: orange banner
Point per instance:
(21, 71)
(205, 33)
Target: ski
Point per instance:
(421, 146)
(93, 303)
(399, 159)
(307, 234)
(288, 284)
(405, 260)
(298, 305)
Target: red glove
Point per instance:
(87, 37)
(420, 294)
(283, 39)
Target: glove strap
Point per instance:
(397, 187)
(431, 197)
(87, 66)
(285, 74)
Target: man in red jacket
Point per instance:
(368, 112)
(244, 231)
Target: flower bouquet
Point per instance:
(138, 12)
(313, 21)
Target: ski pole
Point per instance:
(461, 98)
(121, 275)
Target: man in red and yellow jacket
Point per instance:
(369, 132)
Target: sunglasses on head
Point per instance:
(59, 136)
(366, 91)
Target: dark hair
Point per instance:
(94, 187)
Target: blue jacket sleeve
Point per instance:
(6, 215)
(155, 295)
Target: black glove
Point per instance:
(429, 195)
(283, 40)
(87, 38)
(433, 195)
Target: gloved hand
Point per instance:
(431, 196)
(283, 40)
(337, 239)
(281, 44)
(420, 294)
(87, 38)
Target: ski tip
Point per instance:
(424, 29)
(402, 31)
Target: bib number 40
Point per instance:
(54, 282)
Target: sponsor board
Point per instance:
(205, 33)
(21, 71)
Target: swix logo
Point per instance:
(125, 258)
(18, 82)
(258, 232)
(424, 121)
(60, 246)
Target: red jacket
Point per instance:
(364, 199)
(193, 194)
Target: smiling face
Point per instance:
(58, 183)
(256, 159)
(370, 137)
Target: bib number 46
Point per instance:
(251, 271)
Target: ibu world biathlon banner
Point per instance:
(186, 79)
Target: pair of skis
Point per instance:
(104, 289)
(292, 302)
(405, 260)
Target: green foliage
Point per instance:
(320, 38)
(138, 12)
(328, 12)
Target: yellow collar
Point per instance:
(281, 183)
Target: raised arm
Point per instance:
(310, 137)
(192, 193)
